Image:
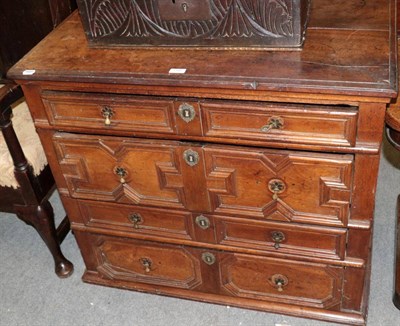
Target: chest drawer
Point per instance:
(146, 262)
(109, 112)
(302, 124)
(249, 182)
(294, 239)
(136, 219)
(285, 281)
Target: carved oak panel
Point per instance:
(191, 22)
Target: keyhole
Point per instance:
(184, 7)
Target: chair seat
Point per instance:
(30, 143)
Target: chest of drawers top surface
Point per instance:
(349, 49)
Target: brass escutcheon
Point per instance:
(136, 219)
(107, 113)
(203, 222)
(186, 112)
(208, 258)
(191, 157)
(273, 123)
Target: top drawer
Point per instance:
(115, 112)
(304, 124)
(213, 119)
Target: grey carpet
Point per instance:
(31, 294)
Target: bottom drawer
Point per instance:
(284, 281)
(203, 270)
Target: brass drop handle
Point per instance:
(121, 173)
(273, 123)
(279, 281)
(276, 186)
(277, 237)
(135, 219)
(146, 263)
(107, 113)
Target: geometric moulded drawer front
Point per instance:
(279, 185)
(131, 260)
(256, 183)
(283, 281)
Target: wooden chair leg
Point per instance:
(42, 219)
(396, 296)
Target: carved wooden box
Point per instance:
(195, 23)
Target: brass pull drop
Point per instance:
(276, 186)
(279, 281)
(146, 262)
(107, 113)
(277, 237)
(273, 123)
(136, 219)
(122, 173)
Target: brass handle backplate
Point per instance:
(186, 112)
(279, 281)
(273, 123)
(276, 186)
(208, 258)
(136, 219)
(203, 222)
(107, 114)
(277, 238)
(191, 157)
(146, 263)
(121, 173)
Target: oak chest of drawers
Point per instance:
(247, 180)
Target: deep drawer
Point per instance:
(255, 183)
(284, 281)
(144, 262)
(284, 238)
(302, 124)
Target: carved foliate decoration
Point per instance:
(195, 22)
